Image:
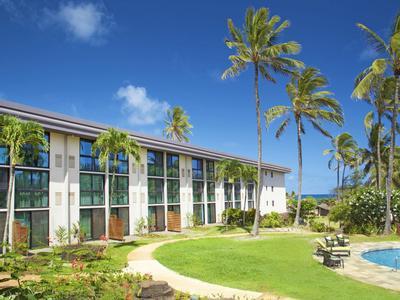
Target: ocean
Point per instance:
(318, 196)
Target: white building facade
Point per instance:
(66, 186)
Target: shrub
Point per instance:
(272, 220)
(307, 209)
(141, 226)
(250, 216)
(365, 211)
(232, 216)
(62, 235)
(317, 226)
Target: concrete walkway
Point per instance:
(360, 269)
(141, 261)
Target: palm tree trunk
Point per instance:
(11, 181)
(388, 222)
(244, 205)
(111, 192)
(300, 172)
(337, 180)
(254, 232)
(378, 152)
(343, 173)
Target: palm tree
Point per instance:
(109, 145)
(308, 102)
(378, 91)
(248, 174)
(14, 134)
(389, 63)
(257, 44)
(378, 147)
(342, 146)
(230, 169)
(177, 125)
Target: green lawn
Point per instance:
(281, 264)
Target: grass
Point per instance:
(281, 264)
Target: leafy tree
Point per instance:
(388, 64)
(15, 134)
(343, 146)
(308, 103)
(177, 125)
(257, 44)
(109, 145)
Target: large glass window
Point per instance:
(197, 191)
(198, 213)
(210, 170)
(31, 189)
(228, 195)
(122, 164)
(3, 155)
(250, 195)
(3, 187)
(92, 222)
(197, 168)
(120, 192)
(155, 188)
(88, 162)
(211, 213)
(155, 163)
(210, 191)
(91, 189)
(34, 158)
(173, 191)
(237, 195)
(172, 165)
(38, 226)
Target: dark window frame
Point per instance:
(172, 170)
(117, 188)
(158, 163)
(171, 193)
(30, 189)
(91, 190)
(151, 193)
(94, 160)
(197, 170)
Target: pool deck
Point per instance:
(360, 269)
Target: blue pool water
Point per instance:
(385, 257)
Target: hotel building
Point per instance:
(172, 181)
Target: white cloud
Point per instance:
(139, 107)
(86, 22)
(368, 54)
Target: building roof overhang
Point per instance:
(77, 127)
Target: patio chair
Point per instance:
(343, 240)
(330, 242)
(336, 250)
(331, 260)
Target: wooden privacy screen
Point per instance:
(116, 228)
(20, 234)
(174, 221)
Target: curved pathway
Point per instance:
(141, 260)
(360, 269)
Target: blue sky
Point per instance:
(125, 62)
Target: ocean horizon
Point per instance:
(318, 196)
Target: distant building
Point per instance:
(322, 209)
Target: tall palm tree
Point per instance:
(109, 145)
(177, 125)
(389, 63)
(229, 169)
(342, 145)
(248, 174)
(378, 91)
(14, 134)
(378, 147)
(311, 103)
(257, 44)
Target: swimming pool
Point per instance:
(384, 257)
